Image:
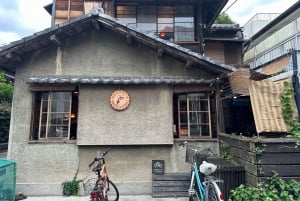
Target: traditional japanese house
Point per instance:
(92, 81)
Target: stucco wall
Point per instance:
(148, 119)
(43, 166)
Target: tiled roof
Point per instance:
(115, 80)
(67, 29)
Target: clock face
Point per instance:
(119, 100)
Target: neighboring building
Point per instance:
(223, 43)
(184, 22)
(71, 79)
(268, 51)
(272, 55)
(257, 22)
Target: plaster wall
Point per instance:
(137, 135)
(148, 119)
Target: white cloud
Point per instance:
(7, 37)
(34, 15)
(21, 18)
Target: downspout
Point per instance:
(295, 79)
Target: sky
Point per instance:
(21, 18)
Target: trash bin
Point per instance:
(7, 180)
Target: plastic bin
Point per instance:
(7, 180)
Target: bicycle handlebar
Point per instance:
(100, 157)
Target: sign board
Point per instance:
(158, 166)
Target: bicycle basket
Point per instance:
(196, 153)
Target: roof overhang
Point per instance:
(210, 12)
(11, 54)
(115, 80)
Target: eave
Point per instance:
(11, 54)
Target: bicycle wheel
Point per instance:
(213, 192)
(194, 192)
(112, 192)
(89, 185)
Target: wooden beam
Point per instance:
(189, 63)
(12, 56)
(160, 52)
(55, 40)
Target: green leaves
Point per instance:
(223, 18)
(6, 89)
(277, 189)
(72, 187)
(287, 109)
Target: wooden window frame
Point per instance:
(168, 35)
(38, 112)
(184, 127)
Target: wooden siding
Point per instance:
(261, 157)
(215, 51)
(67, 9)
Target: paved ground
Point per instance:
(122, 198)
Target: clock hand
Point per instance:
(119, 99)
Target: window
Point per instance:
(165, 23)
(173, 23)
(146, 19)
(184, 23)
(55, 115)
(127, 14)
(194, 119)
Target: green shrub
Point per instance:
(72, 187)
(5, 110)
(276, 190)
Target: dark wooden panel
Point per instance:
(236, 142)
(284, 146)
(242, 154)
(282, 170)
(264, 156)
(171, 185)
(279, 158)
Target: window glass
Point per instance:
(55, 115)
(165, 22)
(168, 22)
(194, 115)
(184, 23)
(127, 15)
(146, 19)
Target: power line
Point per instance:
(229, 6)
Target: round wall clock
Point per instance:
(119, 100)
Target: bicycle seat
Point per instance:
(207, 168)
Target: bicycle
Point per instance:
(101, 188)
(208, 189)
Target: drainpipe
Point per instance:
(296, 81)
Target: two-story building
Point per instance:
(117, 74)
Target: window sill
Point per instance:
(52, 141)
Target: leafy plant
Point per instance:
(277, 189)
(287, 110)
(225, 154)
(6, 89)
(223, 18)
(72, 187)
